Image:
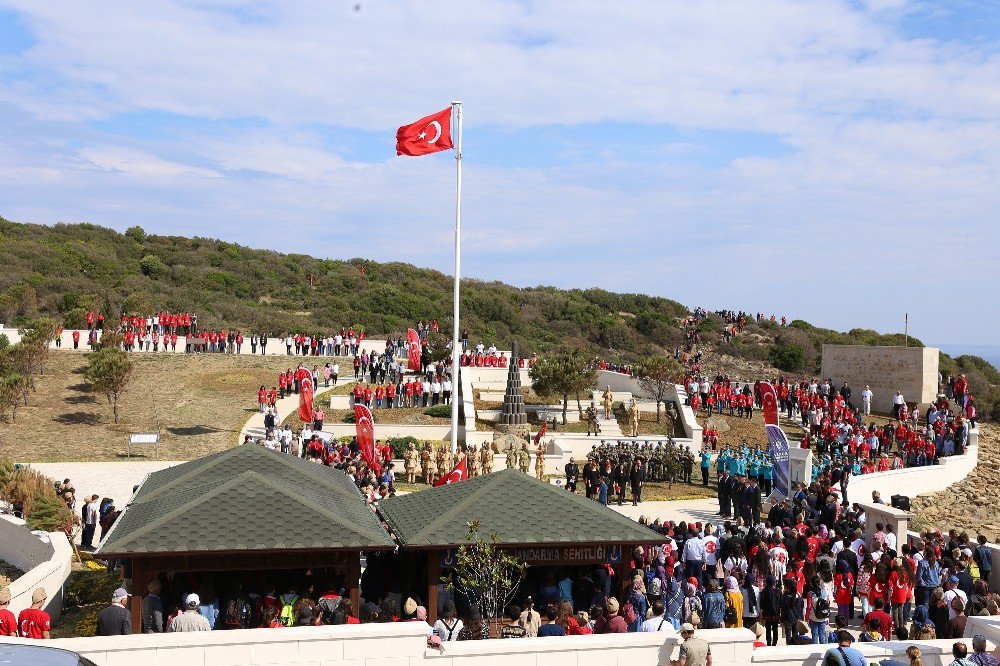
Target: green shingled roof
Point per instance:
(518, 508)
(245, 498)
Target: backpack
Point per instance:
(628, 612)
(655, 587)
(821, 609)
(729, 616)
(239, 614)
(287, 616)
(328, 606)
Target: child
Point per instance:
(602, 491)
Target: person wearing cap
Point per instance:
(190, 619)
(844, 654)
(693, 651)
(115, 620)
(33, 622)
(611, 622)
(8, 623)
(979, 655)
(952, 592)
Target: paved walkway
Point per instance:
(286, 406)
(696, 510)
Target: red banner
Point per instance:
(541, 432)
(305, 396)
(460, 473)
(428, 135)
(365, 426)
(413, 348)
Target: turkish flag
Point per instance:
(460, 473)
(305, 396)
(428, 135)
(769, 400)
(365, 427)
(413, 347)
(541, 432)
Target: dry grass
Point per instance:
(198, 403)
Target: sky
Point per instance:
(833, 161)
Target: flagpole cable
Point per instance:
(458, 267)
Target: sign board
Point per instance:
(591, 554)
(144, 438)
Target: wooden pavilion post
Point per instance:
(433, 579)
(354, 576)
(138, 593)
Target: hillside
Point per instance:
(67, 269)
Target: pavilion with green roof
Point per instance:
(244, 509)
(537, 522)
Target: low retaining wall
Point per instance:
(45, 560)
(912, 481)
(934, 653)
(393, 644)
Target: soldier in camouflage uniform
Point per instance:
(687, 464)
(523, 458)
(473, 460)
(486, 459)
(540, 460)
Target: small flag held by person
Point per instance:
(460, 473)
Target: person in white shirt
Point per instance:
(446, 391)
(436, 392)
(335, 372)
(866, 400)
(711, 547)
(657, 622)
(426, 391)
(897, 404)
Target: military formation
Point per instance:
(662, 461)
(431, 461)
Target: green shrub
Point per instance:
(138, 234)
(348, 417)
(152, 266)
(441, 411)
(4, 341)
(786, 357)
(399, 445)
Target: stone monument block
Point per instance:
(912, 370)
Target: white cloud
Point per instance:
(890, 175)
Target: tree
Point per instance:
(109, 371)
(486, 575)
(566, 372)
(39, 333)
(153, 266)
(136, 233)
(11, 394)
(658, 376)
(22, 359)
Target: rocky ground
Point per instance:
(970, 504)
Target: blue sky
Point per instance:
(829, 160)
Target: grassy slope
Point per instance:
(198, 404)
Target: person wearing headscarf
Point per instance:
(734, 601)
(922, 628)
(637, 597)
(692, 607)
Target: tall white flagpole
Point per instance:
(458, 276)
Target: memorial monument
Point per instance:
(911, 370)
(512, 425)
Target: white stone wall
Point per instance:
(394, 644)
(912, 370)
(46, 560)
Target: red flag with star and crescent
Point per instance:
(460, 473)
(413, 350)
(428, 135)
(365, 426)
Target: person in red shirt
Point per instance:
(33, 622)
(8, 623)
(368, 395)
(272, 397)
(281, 384)
(390, 395)
(359, 394)
(76, 339)
(173, 341)
(262, 398)
(379, 395)
(90, 320)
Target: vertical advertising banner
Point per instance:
(776, 440)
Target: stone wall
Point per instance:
(912, 370)
(394, 644)
(46, 560)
